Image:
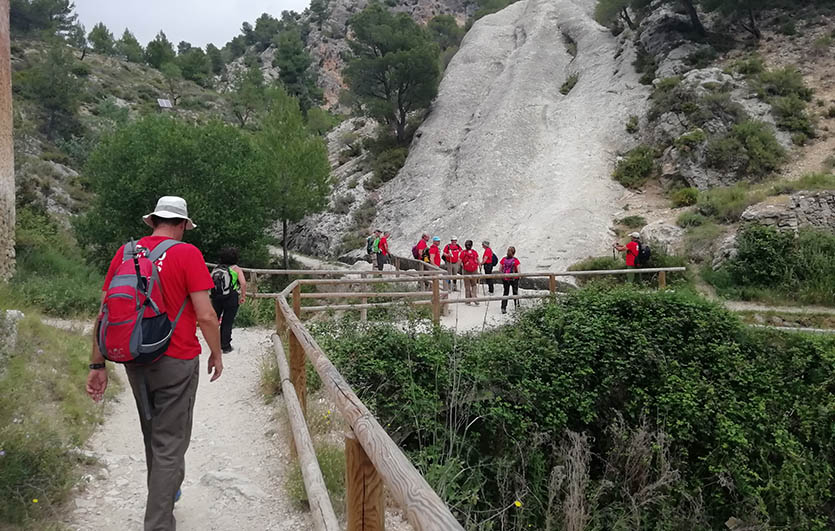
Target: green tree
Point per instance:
(129, 49)
(608, 11)
(294, 161)
(445, 31)
(266, 29)
(50, 16)
(215, 57)
(52, 84)
(173, 79)
(319, 11)
(294, 62)
(159, 51)
(212, 166)
(101, 39)
(77, 36)
(249, 95)
(195, 66)
(744, 12)
(394, 69)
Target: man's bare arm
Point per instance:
(207, 320)
(97, 378)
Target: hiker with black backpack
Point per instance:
(227, 294)
(509, 265)
(489, 260)
(156, 293)
(637, 254)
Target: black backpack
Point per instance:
(495, 260)
(369, 244)
(223, 281)
(644, 255)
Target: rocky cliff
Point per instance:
(506, 156)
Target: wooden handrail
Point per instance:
(422, 506)
(324, 517)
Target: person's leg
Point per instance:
(488, 269)
(136, 378)
(456, 268)
(450, 269)
(217, 304)
(506, 286)
(230, 310)
(630, 277)
(515, 284)
(381, 259)
(172, 386)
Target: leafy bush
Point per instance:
(691, 219)
(569, 84)
(320, 121)
(726, 204)
(786, 81)
(788, 28)
(633, 222)
(791, 115)
(632, 124)
(780, 265)
(342, 204)
(481, 416)
(703, 57)
(749, 66)
(636, 167)
(810, 182)
(691, 140)
(388, 163)
(685, 197)
(750, 148)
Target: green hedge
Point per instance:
(747, 415)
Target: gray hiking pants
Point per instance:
(169, 387)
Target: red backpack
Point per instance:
(133, 326)
(469, 260)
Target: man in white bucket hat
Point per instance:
(165, 389)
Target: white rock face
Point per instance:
(504, 156)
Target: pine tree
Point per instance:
(159, 51)
(101, 39)
(295, 73)
(129, 49)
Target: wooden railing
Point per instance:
(373, 459)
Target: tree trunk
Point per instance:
(83, 53)
(7, 184)
(624, 14)
(752, 26)
(694, 17)
(401, 130)
(284, 244)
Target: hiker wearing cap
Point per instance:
(228, 293)
(435, 252)
(383, 250)
(372, 247)
(510, 264)
(173, 275)
(631, 249)
(469, 265)
(489, 260)
(452, 259)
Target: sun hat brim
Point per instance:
(167, 215)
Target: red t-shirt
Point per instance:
(451, 253)
(509, 265)
(421, 245)
(182, 271)
(384, 246)
(631, 253)
(487, 257)
(435, 255)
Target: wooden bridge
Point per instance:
(373, 459)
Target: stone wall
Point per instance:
(799, 210)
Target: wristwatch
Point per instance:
(97, 366)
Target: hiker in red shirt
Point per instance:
(632, 249)
(488, 261)
(435, 252)
(510, 264)
(452, 259)
(165, 390)
(383, 255)
(422, 245)
(469, 263)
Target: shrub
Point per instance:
(701, 58)
(699, 240)
(342, 204)
(750, 148)
(726, 204)
(569, 84)
(636, 167)
(320, 121)
(479, 415)
(791, 115)
(632, 124)
(685, 197)
(690, 219)
(788, 28)
(809, 182)
(645, 64)
(786, 81)
(80, 69)
(749, 66)
(633, 222)
(388, 163)
(690, 140)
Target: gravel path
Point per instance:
(236, 466)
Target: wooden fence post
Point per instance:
(253, 283)
(662, 280)
(280, 325)
(297, 356)
(436, 301)
(364, 311)
(552, 284)
(363, 489)
(422, 286)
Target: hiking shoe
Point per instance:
(226, 350)
(504, 310)
(177, 495)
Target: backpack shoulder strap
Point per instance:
(162, 248)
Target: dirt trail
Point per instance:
(236, 466)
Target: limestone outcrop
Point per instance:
(799, 210)
(505, 156)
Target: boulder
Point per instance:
(665, 236)
(801, 209)
(727, 250)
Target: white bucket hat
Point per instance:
(170, 207)
(635, 235)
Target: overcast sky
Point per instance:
(196, 21)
